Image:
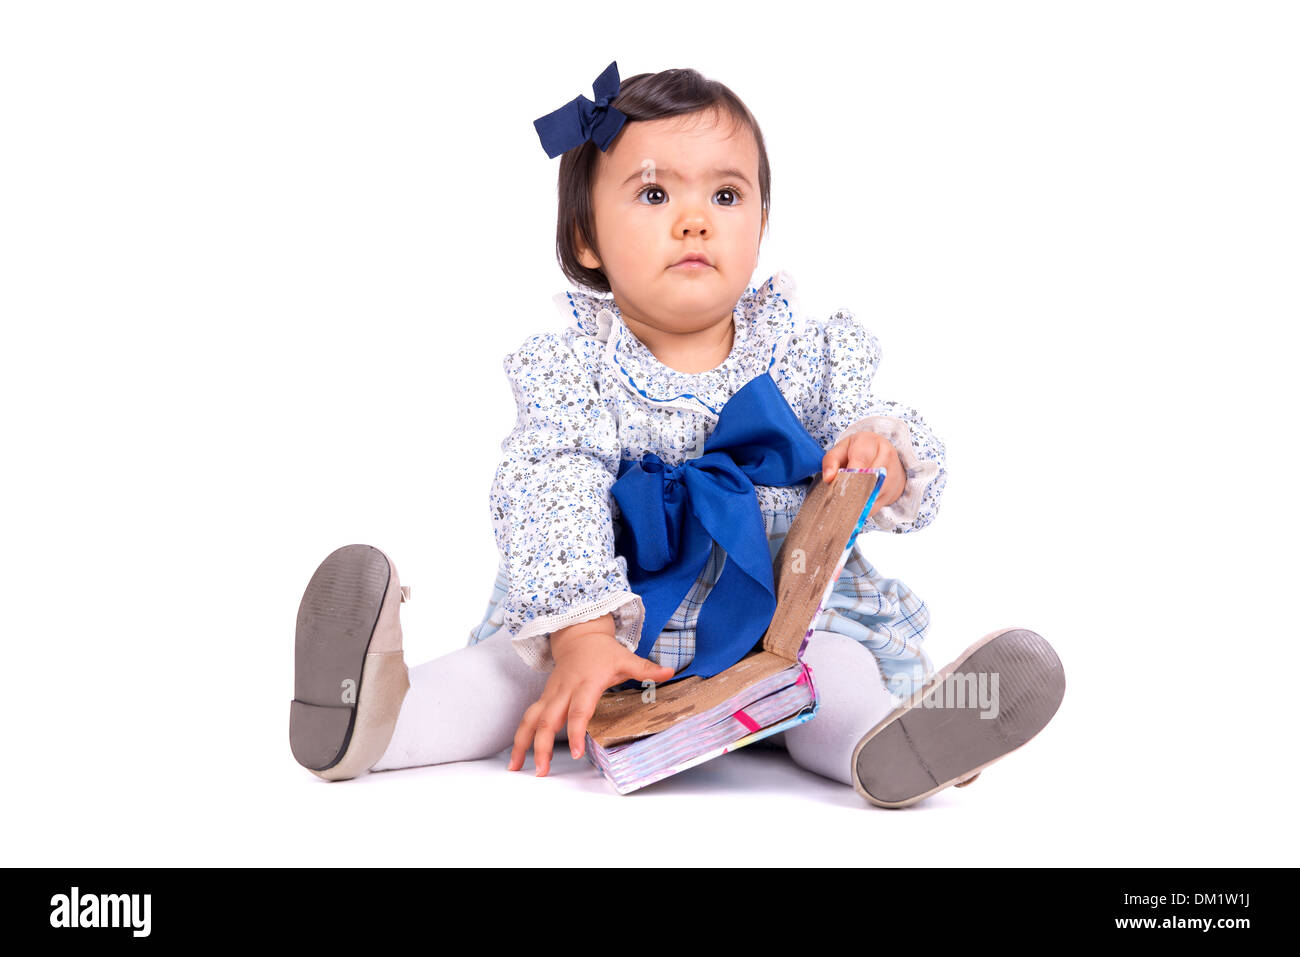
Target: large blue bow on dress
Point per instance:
(672, 516)
(580, 119)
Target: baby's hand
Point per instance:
(867, 450)
(588, 660)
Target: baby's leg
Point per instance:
(463, 706)
(853, 699)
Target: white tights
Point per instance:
(467, 705)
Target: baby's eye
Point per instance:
(653, 189)
(728, 191)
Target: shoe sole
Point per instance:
(916, 751)
(346, 699)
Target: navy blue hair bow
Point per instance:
(672, 516)
(580, 119)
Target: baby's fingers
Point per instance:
(524, 736)
(834, 460)
(636, 668)
(581, 709)
(548, 724)
(887, 457)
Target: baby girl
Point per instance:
(663, 203)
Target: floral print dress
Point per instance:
(592, 394)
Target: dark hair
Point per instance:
(646, 96)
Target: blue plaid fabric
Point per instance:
(881, 613)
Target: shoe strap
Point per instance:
(406, 593)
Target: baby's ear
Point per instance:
(586, 256)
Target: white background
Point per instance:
(260, 264)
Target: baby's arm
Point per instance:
(568, 606)
(550, 503)
(835, 362)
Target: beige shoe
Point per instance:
(349, 672)
(1000, 693)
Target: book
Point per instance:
(637, 737)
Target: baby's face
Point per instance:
(685, 184)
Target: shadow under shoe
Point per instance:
(349, 671)
(1001, 692)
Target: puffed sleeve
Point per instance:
(840, 359)
(550, 503)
